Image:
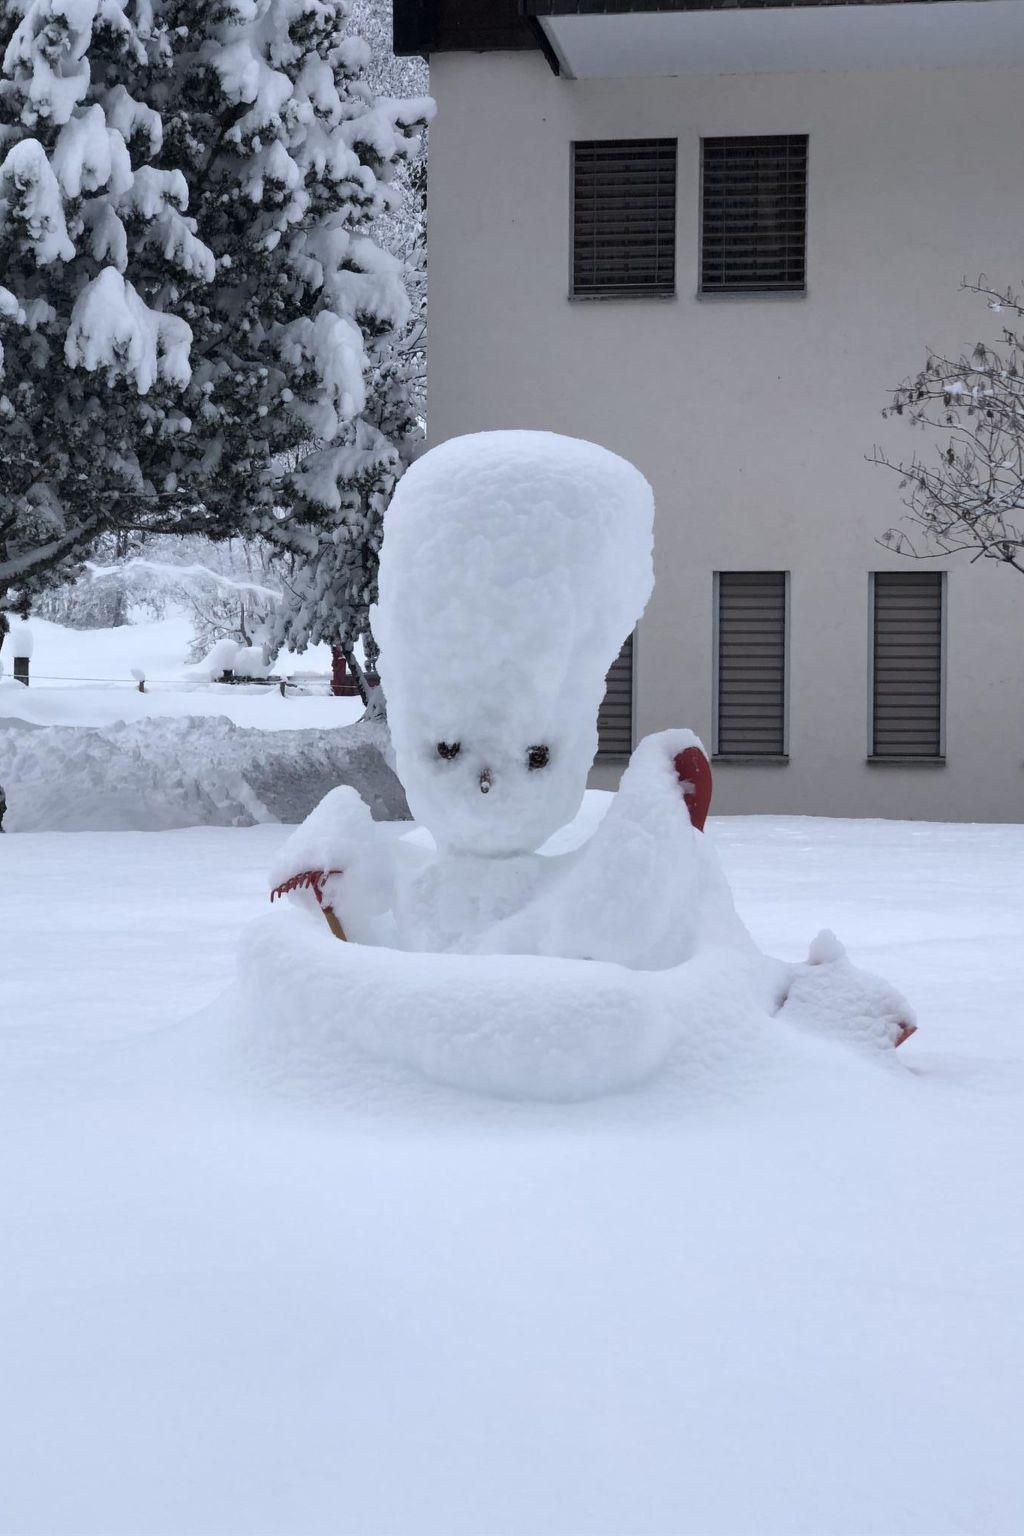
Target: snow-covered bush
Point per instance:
(86, 603)
(227, 588)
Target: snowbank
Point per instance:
(183, 772)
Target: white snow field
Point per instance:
(84, 677)
(779, 1296)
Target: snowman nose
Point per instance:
(485, 782)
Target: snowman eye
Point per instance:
(537, 757)
(448, 749)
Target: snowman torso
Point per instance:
(452, 900)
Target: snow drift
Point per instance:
(161, 772)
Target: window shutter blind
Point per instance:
(907, 682)
(751, 663)
(615, 717)
(624, 218)
(754, 218)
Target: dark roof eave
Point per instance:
(536, 8)
(428, 26)
(480, 26)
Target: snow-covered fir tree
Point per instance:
(296, 401)
(327, 597)
(295, 406)
(95, 246)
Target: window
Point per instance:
(906, 682)
(754, 215)
(615, 717)
(624, 218)
(750, 664)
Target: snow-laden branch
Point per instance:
(173, 575)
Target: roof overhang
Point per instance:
(600, 39)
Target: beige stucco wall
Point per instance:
(751, 416)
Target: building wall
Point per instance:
(751, 417)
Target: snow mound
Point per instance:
(21, 641)
(831, 995)
(220, 658)
(512, 1026)
(513, 567)
(314, 1012)
(162, 772)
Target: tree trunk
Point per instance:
(346, 675)
(372, 651)
(376, 703)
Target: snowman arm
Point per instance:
(663, 768)
(338, 835)
(633, 890)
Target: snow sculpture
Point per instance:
(514, 565)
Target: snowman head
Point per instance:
(514, 565)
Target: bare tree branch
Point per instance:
(967, 494)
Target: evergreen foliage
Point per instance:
(94, 243)
(201, 331)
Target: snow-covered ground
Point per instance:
(84, 677)
(785, 1305)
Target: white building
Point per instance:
(712, 235)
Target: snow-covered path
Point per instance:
(792, 1310)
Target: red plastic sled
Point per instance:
(694, 773)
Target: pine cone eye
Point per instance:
(537, 757)
(448, 749)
